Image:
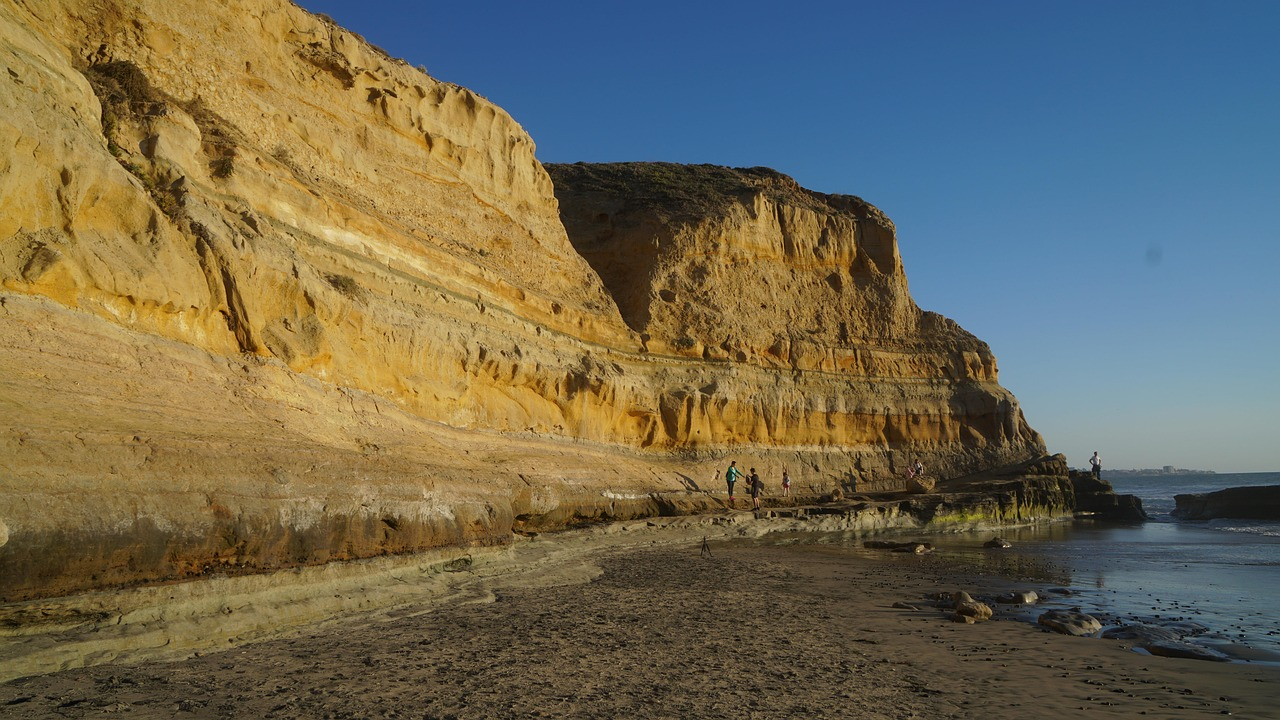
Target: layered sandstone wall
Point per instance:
(270, 297)
(265, 182)
(801, 294)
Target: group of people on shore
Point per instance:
(754, 484)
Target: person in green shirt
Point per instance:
(730, 477)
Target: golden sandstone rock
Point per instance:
(269, 297)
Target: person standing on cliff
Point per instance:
(757, 487)
(786, 483)
(1096, 463)
(730, 477)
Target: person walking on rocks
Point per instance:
(786, 483)
(757, 487)
(730, 477)
(1096, 463)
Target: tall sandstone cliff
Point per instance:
(269, 297)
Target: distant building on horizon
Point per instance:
(1164, 470)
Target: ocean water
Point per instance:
(1221, 574)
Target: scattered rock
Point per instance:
(1026, 597)
(966, 607)
(977, 611)
(940, 600)
(1070, 622)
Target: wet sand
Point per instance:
(650, 629)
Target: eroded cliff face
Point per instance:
(269, 297)
(796, 305)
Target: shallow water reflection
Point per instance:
(1155, 573)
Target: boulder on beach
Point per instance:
(969, 610)
(1026, 597)
(921, 484)
(1070, 622)
(1255, 502)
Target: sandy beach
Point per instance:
(642, 622)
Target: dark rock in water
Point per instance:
(1184, 650)
(1142, 635)
(1187, 627)
(1256, 502)
(997, 543)
(1166, 640)
(911, 547)
(1096, 498)
(1163, 631)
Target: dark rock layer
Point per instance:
(1256, 502)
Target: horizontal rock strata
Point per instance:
(800, 294)
(269, 297)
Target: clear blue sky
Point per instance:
(1093, 188)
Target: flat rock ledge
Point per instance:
(1254, 502)
(1166, 641)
